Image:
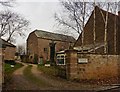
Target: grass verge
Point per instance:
(8, 71)
(56, 71)
(48, 70)
(31, 77)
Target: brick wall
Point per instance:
(36, 45)
(9, 53)
(44, 43)
(43, 48)
(100, 32)
(32, 46)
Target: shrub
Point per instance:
(11, 62)
(47, 62)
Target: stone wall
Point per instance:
(71, 64)
(103, 68)
(99, 67)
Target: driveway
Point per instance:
(19, 82)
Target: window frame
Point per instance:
(60, 57)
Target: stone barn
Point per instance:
(38, 44)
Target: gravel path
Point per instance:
(62, 84)
(19, 81)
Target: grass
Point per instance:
(48, 70)
(8, 71)
(31, 77)
(53, 71)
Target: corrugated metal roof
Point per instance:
(53, 36)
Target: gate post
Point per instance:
(71, 64)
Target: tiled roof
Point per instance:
(4, 43)
(53, 36)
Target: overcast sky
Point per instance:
(40, 13)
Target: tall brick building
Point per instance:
(38, 43)
(113, 33)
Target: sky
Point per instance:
(40, 13)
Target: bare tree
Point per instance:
(12, 24)
(94, 30)
(21, 49)
(75, 14)
(76, 11)
(8, 3)
(105, 35)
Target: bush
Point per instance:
(53, 70)
(48, 70)
(47, 62)
(11, 62)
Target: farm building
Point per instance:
(39, 44)
(113, 39)
(7, 50)
(93, 64)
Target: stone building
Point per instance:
(38, 44)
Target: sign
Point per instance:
(82, 60)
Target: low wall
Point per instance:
(104, 68)
(99, 67)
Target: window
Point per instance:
(45, 49)
(60, 59)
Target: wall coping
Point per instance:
(71, 50)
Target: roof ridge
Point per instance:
(7, 42)
(54, 36)
(53, 33)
